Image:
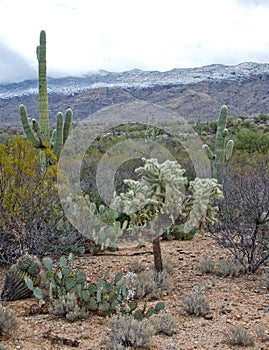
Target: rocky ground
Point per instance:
(234, 301)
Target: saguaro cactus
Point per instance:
(39, 133)
(222, 151)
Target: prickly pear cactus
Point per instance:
(15, 288)
(148, 312)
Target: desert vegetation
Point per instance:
(158, 206)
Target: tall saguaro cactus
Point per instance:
(223, 151)
(39, 132)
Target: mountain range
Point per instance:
(194, 93)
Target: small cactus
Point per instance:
(15, 287)
(146, 313)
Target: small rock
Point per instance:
(208, 317)
(225, 311)
(238, 317)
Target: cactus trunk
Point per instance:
(222, 152)
(42, 87)
(39, 133)
(157, 254)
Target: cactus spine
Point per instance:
(39, 133)
(15, 287)
(222, 151)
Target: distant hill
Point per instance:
(192, 92)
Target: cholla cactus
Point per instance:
(204, 191)
(162, 189)
(222, 151)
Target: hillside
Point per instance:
(192, 93)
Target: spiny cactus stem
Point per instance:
(27, 128)
(67, 124)
(42, 87)
(59, 136)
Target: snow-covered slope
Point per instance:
(138, 78)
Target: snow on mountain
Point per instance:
(137, 78)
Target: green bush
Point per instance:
(251, 140)
(32, 219)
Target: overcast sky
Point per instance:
(118, 35)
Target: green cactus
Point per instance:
(222, 151)
(104, 298)
(15, 287)
(107, 230)
(39, 133)
(148, 312)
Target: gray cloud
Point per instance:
(13, 66)
(253, 2)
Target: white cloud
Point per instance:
(85, 35)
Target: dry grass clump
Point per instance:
(136, 266)
(8, 322)
(265, 280)
(207, 265)
(67, 306)
(195, 303)
(229, 267)
(147, 282)
(166, 324)
(128, 333)
(238, 335)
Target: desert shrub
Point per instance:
(207, 265)
(149, 283)
(4, 137)
(251, 140)
(265, 280)
(166, 324)
(126, 332)
(239, 336)
(8, 322)
(136, 266)
(262, 333)
(263, 117)
(196, 304)
(213, 124)
(168, 266)
(243, 218)
(32, 219)
(229, 267)
(126, 169)
(67, 306)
